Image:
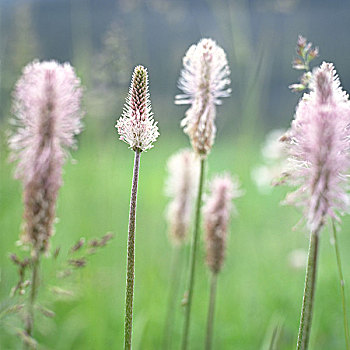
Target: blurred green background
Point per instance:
(259, 288)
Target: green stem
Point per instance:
(211, 312)
(175, 278)
(130, 270)
(193, 257)
(273, 339)
(342, 289)
(309, 291)
(32, 297)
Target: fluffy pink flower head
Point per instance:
(204, 81)
(136, 126)
(217, 212)
(47, 117)
(181, 184)
(318, 149)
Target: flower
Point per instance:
(136, 126)
(204, 81)
(181, 184)
(217, 211)
(318, 149)
(47, 117)
(275, 170)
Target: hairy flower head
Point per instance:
(318, 149)
(180, 187)
(136, 126)
(204, 81)
(216, 212)
(47, 117)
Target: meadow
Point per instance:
(258, 288)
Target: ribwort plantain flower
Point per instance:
(136, 126)
(204, 80)
(181, 184)
(216, 212)
(318, 149)
(47, 117)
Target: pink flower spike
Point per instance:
(183, 171)
(318, 149)
(47, 117)
(204, 80)
(217, 211)
(136, 126)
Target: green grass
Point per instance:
(256, 287)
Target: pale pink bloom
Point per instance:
(216, 212)
(181, 188)
(204, 81)
(47, 117)
(136, 126)
(318, 149)
(274, 170)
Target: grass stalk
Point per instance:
(342, 288)
(309, 292)
(32, 297)
(130, 270)
(211, 312)
(193, 257)
(175, 278)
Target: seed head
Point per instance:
(204, 81)
(181, 184)
(318, 149)
(136, 126)
(47, 117)
(217, 211)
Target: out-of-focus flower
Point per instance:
(297, 259)
(217, 212)
(47, 117)
(318, 148)
(180, 187)
(274, 171)
(136, 126)
(204, 81)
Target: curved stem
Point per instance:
(342, 289)
(211, 311)
(309, 291)
(130, 270)
(193, 257)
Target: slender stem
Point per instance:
(32, 297)
(175, 277)
(342, 289)
(309, 291)
(193, 257)
(130, 270)
(273, 339)
(211, 311)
